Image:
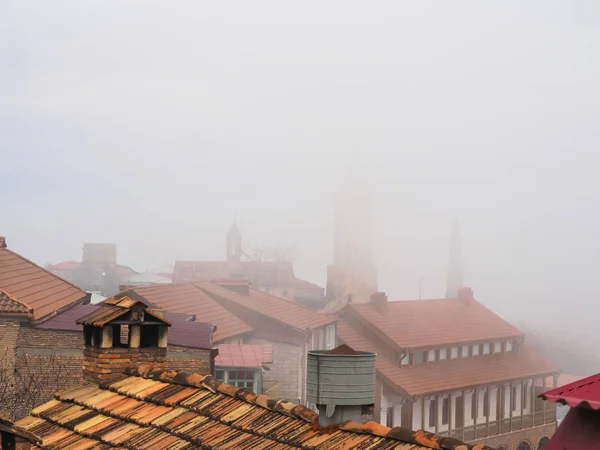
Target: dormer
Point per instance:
(122, 333)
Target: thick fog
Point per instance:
(153, 124)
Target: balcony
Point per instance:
(495, 428)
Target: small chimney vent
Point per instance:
(379, 300)
(465, 295)
(341, 382)
(2, 242)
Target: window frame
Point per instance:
(498, 347)
(429, 354)
(454, 352)
(444, 352)
(476, 350)
(487, 349)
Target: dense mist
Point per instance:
(152, 124)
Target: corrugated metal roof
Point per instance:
(585, 393)
(244, 355)
(39, 289)
(157, 408)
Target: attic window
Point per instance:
(120, 336)
(443, 354)
(405, 361)
(509, 346)
(149, 336)
(486, 349)
(497, 347)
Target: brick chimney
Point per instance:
(465, 295)
(2, 242)
(120, 335)
(379, 300)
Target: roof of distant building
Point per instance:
(65, 265)
(431, 323)
(151, 408)
(183, 332)
(39, 291)
(582, 393)
(147, 277)
(452, 374)
(244, 355)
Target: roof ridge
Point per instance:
(45, 270)
(290, 409)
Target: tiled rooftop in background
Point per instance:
(157, 408)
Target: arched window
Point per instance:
(543, 443)
(524, 446)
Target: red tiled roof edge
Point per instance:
(571, 394)
(290, 409)
(23, 308)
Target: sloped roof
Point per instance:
(431, 323)
(157, 408)
(271, 306)
(187, 298)
(38, 289)
(65, 265)
(443, 376)
(183, 332)
(244, 355)
(583, 393)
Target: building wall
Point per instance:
(9, 332)
(286, 377)
(190, 359)
(510, 441)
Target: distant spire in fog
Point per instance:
(454, 280)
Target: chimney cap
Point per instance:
(2, 242)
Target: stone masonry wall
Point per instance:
(283, 380)
(510, 441)
(9, 332)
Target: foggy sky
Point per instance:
(151, 124)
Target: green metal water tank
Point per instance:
(341, 378)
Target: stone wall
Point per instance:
(9, 332)
(285, 378)
(190, 359)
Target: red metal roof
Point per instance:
(271, 306)
(189, 299)
(585, 393)
(37, 288)
(453, 374)
(244, 355)
(430, 323)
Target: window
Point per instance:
(443, 354)
(330, 337)
(220, 375)
(241, 378)
(431, 355)
(465, 351)
(454, 353)
(445, 410)
(527, 396)
(475, 351)
(497, 347)
(390, 417)
(405, 361)
(419, 357)
(432, 412)
(513, 398)
(474, 405)
(486, 349)
(486, 403)
(509, 346)
(149, 336)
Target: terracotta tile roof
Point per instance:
(9, 305)
(187, 298)
(156, 408)
(38, 289)
(585, 393)
(454, 374)
(276, 308)
(115, 307)
(244, 355)
(66, 265)
(430, 323)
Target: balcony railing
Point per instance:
(495, 428)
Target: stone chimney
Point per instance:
(120, 335)
(465, 295)
(380, 301)
(2, 242)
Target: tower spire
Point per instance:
(454, 280)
